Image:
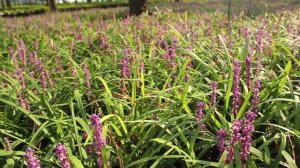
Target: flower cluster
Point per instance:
(255, 99)
(221, 137)
(32, 160)
(248, 71)
(235, 135)
(62, 155)
(200, 113)
(236, 86)
(241, 131)
(213, 98)
(99, 141)
(125, 64)
(246, 136)
(87, 78)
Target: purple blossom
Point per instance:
(125, 64)
(236, 86)
(58, 63)
(31, 59)
(142, 66)
(213, 98)
(27, 104)
(255, 99)
(21, 100)
(42, 75)
(259, 40)
(13, 58)
(171, 56)
(221, 137)
(248, 71)
(32, 160)
(21, 79)
(22, 52)
(99, 141)
(246, 136)
(87, 78)
(235, 136)
(49, 78)
(200, 113)
(62, 155)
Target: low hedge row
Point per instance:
(34, 10)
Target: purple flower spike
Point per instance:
(255, 99)
(62, 155)
(236, 86)
(125, 64)
(171, 56)
(21, 79)
(200, 114)
(248, 71)
(99, 141)
(213, 98)
(259, 37)
(11, 52)
(142, 66)
(21, 101)
(87, 78)
(246, 136)
(221, 137)
(32, 160)
(235, 136)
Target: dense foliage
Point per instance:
(171, 90)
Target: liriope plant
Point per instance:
(161, 90)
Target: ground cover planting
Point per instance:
(80, 89)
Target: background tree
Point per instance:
(2, 5)
(136, 7)
(8, 4)
(52, 5)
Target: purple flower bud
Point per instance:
(235, 136)
(32, 160)
(27, 104)
(42, 75)
(248, 71)
(171, 56)
(213, 98)
(125, 64)
(259, 39)
(49, 78)
(255, 99)
(22, 52)
(62, 155)
(87, 78)
(236, 86)
(58, 63)
(40, 66)
(99, 141)
(221, 137)
(21, 79)
(31, 58)
(200, 113)
(21, 101)
(246, 136)
(142, 66)
(13, 58)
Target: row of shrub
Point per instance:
(26, 10)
